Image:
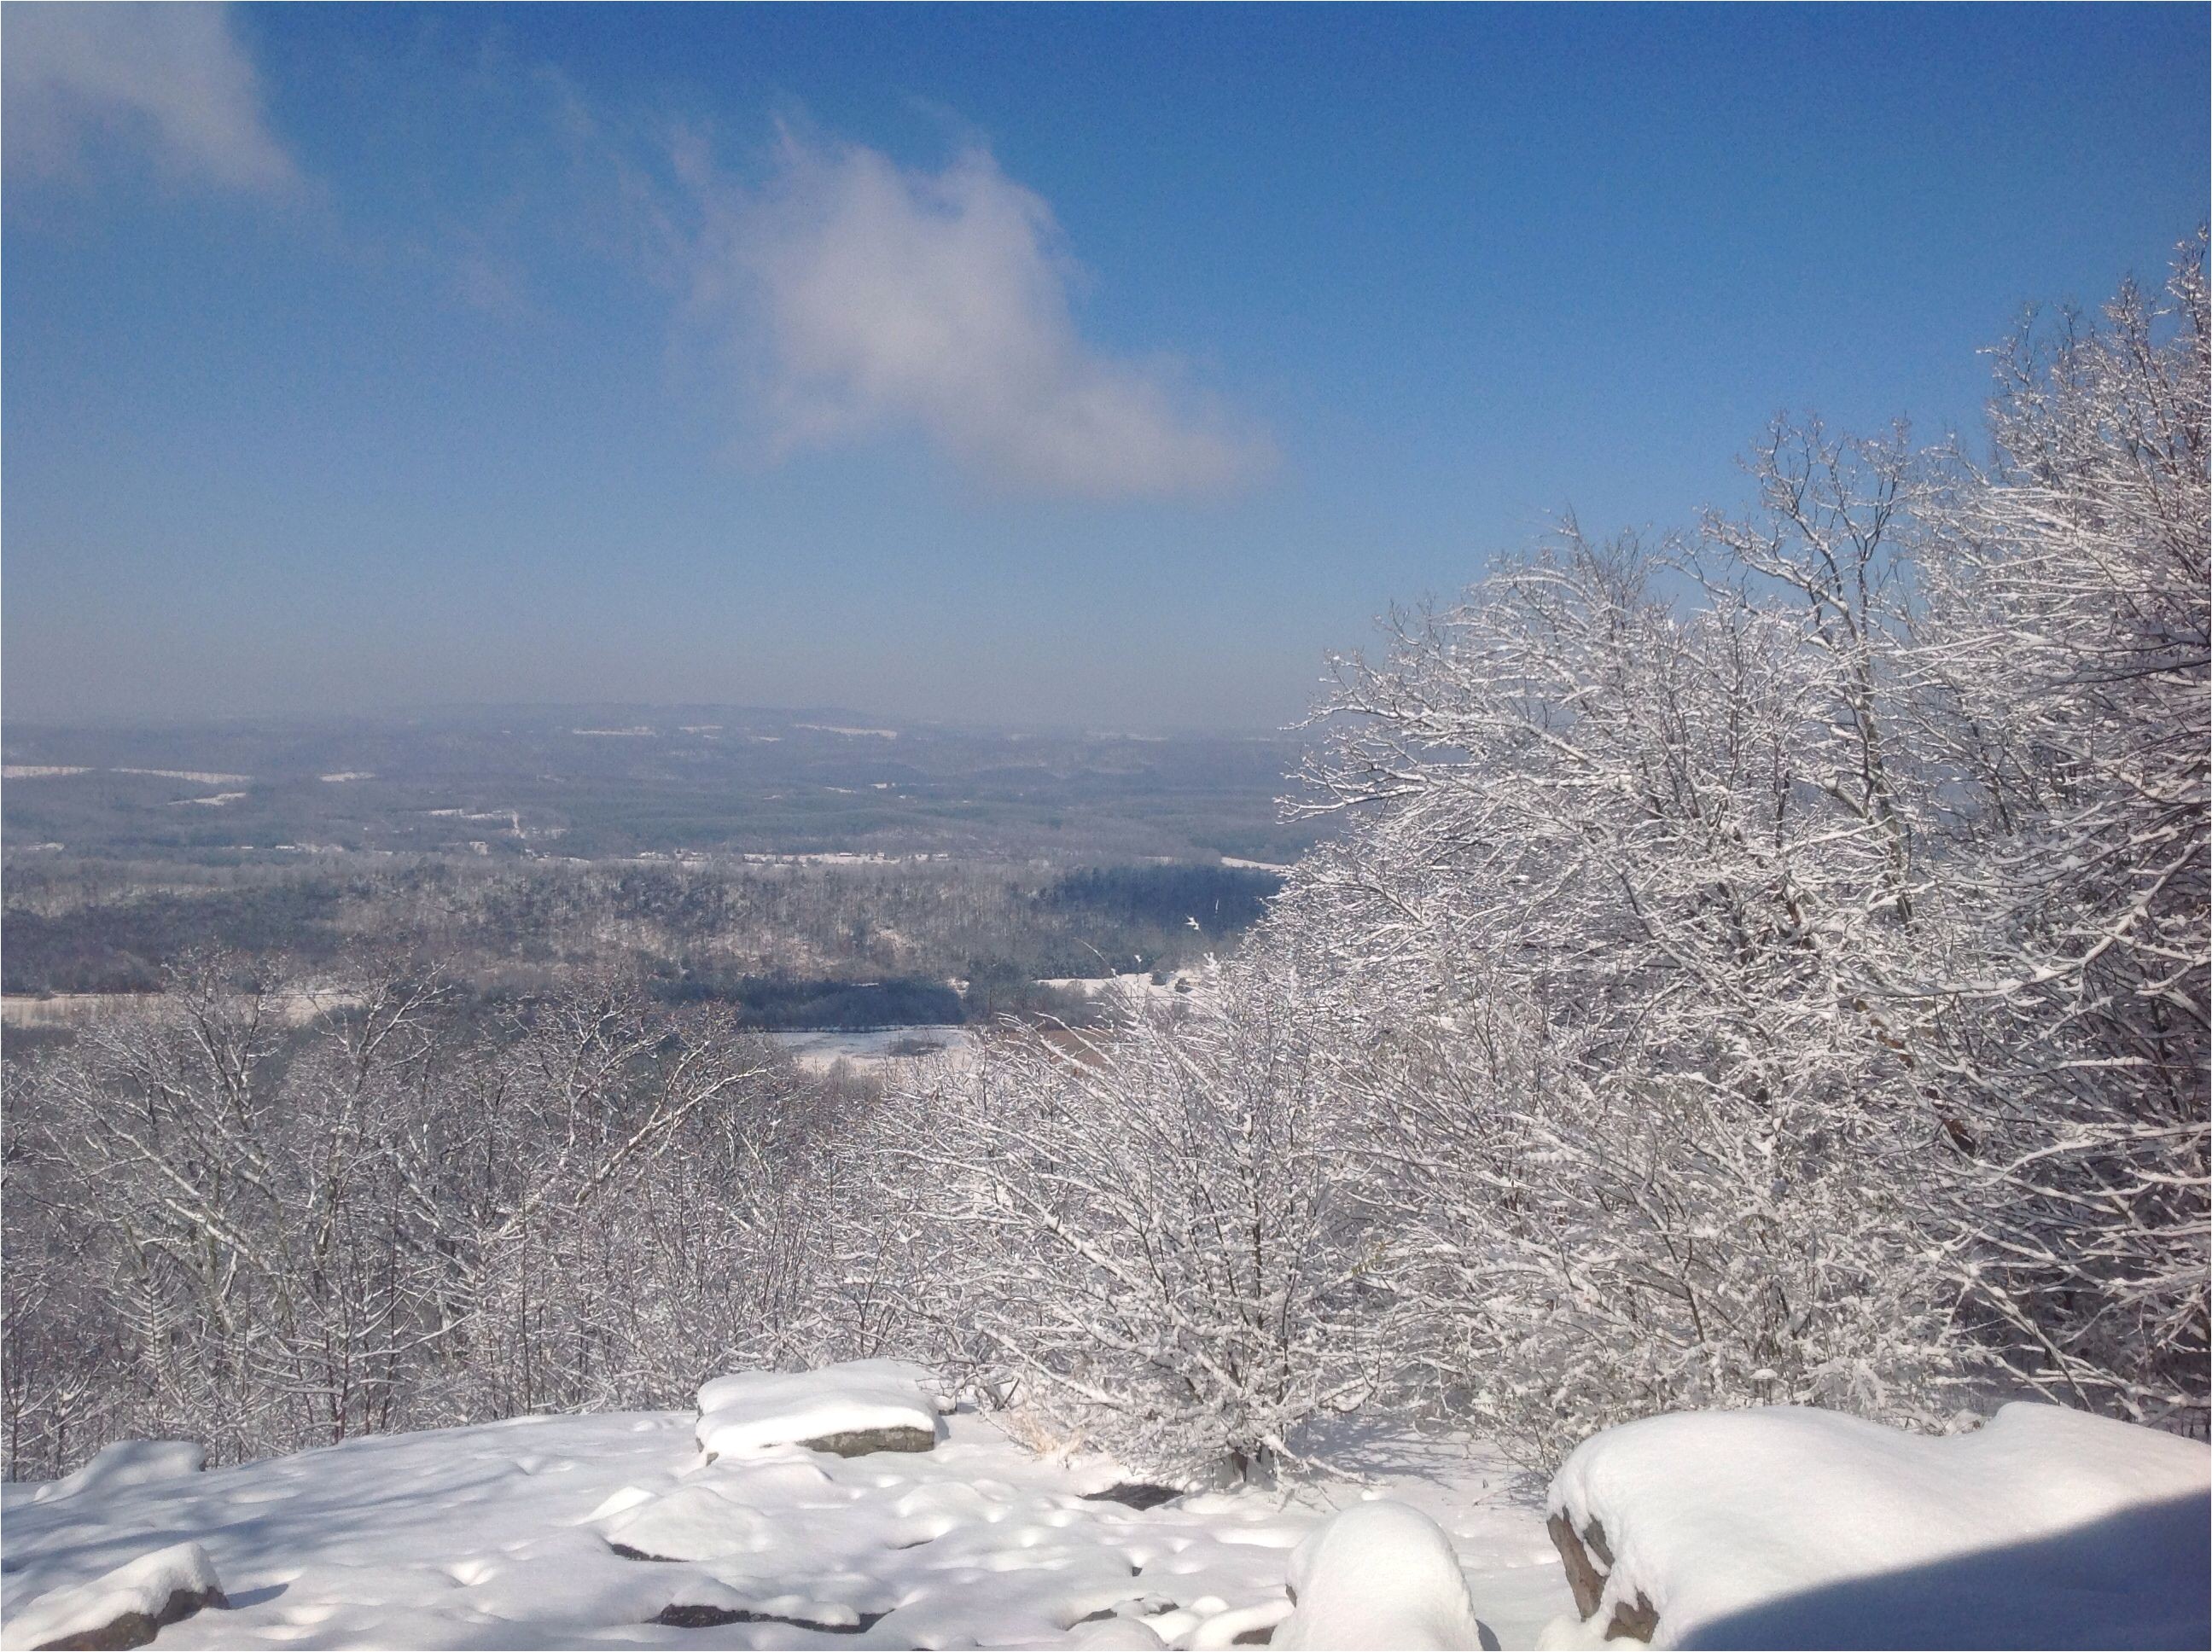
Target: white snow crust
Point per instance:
(1792, 1526)
(143, 1585)
(1378, 1576)
(753, 1411)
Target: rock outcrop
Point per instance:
(124, 1608)
(1588, 1560)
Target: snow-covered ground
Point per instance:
(817, 1052)
(858, 1506)
(505, 1536)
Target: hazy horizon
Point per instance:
(963, 363)
(401, 713)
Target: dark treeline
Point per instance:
(781, 1002)
(120, 942)
(1220, 899)
(792, 946)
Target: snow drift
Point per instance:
(129, 1462)
(609, 1530)
(1789, 1527)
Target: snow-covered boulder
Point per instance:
(127, 1606)
(1111, 1634)
(1378, 1574)
(692, 1522)
(128, 1463)
(1790, 1526)
(849, 1410)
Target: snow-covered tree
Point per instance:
(1148, 1230)
(267, 1235)
(2070, 624)
(1616, 882)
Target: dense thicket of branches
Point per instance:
(1765, 966)
(266, 1237)
(1144, 1232)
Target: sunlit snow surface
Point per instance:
(1789, 1526)
(504, 1536)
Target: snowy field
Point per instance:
(295, 1008)
(505, 1536)
(875, 1049)
(818, 1052)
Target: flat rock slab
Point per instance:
(136, 1628)
(127, 1606)
(860, 1441)
(1135, 1494)
(847, 1410)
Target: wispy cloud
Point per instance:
(172, 81)
(864, 296)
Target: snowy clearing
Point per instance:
(843, 858)
(520, 1534)
(818, 1052)
(201, 776)
(294, 1008)
(1791, 1527)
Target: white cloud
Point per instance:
(171, 79)
(868, 296)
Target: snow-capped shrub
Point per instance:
(1148, 1229)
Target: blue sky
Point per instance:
(1096, 366)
